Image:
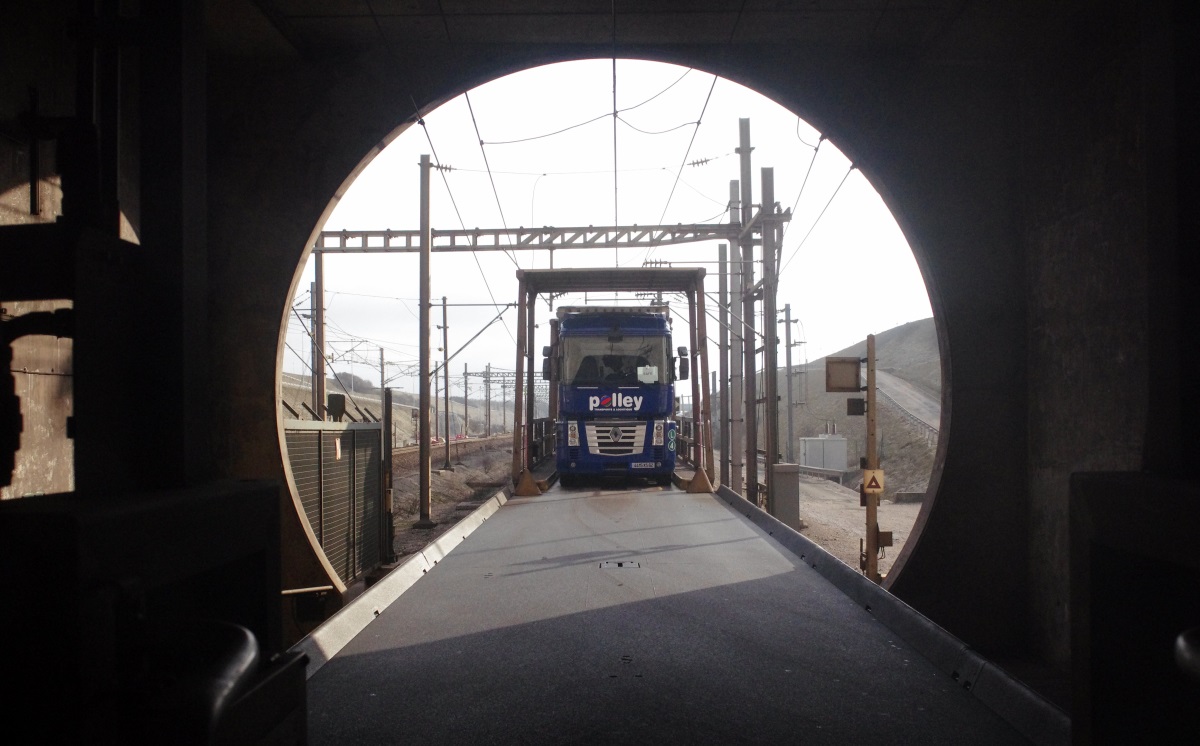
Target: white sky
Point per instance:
(852, 276)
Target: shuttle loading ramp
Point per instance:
(656, 616)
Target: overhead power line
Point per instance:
(461, 222)
(335, 375)
(803, 184)
(814, 223)
(626, 122)
(491, 178)
(594, 119)
(679, 171)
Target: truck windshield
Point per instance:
(595, 361)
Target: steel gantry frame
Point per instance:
(689, 281)
(547, 238)
(746, 229)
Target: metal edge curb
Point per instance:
(337, 631)
(1024, 709)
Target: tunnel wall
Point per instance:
(1084, 195)
(936, 140)
(1034, 178)
(1004, 186)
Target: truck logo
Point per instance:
(615, 401)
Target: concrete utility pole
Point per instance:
(316, 306)
(521, 419)
(770, 335)
(466, 403)
(787, 336)
(723, 359)
(446, 381)
(737, 358)
(552, 404)
(389, 526)
(713, 387)
(487, 397)
(748, 322)
(529, 393)
(423, 428)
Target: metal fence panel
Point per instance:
(304, 454)
(368, 533)
(336, 504)
(336, 468)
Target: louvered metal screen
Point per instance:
(369, 521)
(336, 467)
(304, 454)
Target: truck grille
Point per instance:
(615, 438)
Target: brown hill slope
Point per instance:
(909, 352)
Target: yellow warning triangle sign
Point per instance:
(873, 481)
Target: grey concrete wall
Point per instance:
(1083, 168)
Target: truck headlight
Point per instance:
(658, 433)
(573, 434)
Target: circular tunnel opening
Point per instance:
(593, 143)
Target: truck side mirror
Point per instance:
(547, 369)
(684, 364)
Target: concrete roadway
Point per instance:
(530, 632)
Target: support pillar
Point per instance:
(423, 424)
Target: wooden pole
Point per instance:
(872, 569)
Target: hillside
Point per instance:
(906, 451)
(295, 389)
(909, 352)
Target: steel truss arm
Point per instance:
(518, 239)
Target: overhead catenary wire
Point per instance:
(802, 140)
(686, 153)
(472, 339)
(594, 119)
(616, 203)
(491, 178)
(818, 219)
(816, 149)
(385, 344)
(429, 138)
(461, 222)
(615, 113)
(335, 375)
(732, 33)
(307, 365)
(625, 122)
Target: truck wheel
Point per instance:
(567, 481)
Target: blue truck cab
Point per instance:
(616, 401)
